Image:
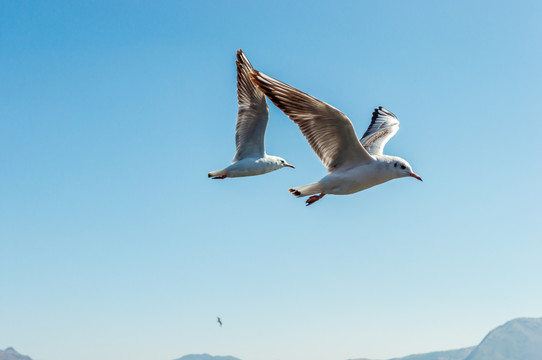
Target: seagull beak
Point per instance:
(416, 176)
(289, 166)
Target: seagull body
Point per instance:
(352, 180)
(353, 165)
(219, 321)
(250, 166)
(252, 118)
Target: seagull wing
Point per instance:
(252, 115)
(382, 128)
(329, 132)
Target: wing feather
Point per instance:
(384, 125)
(252, 115)
(329, 132)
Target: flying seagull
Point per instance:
(252, 118)
(219, 321)
(353, 165)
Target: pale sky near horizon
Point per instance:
(115, 245)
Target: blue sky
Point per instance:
(115, 245)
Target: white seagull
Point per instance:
(252, 118)
(353, 165)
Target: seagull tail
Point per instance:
(311, 189)
(217, 174)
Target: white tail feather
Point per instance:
(311, 189)
(217, 173)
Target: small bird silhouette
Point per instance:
(219, 321)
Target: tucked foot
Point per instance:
(294, 192)
(314, 199)
(219, 177)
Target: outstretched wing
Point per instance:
(329, 132)
(252, 116)
(382, 128)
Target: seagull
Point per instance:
(252, 118)
(353, 165)
(219, 321)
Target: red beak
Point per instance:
(290, 166)
(416, 176)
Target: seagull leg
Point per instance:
(314, 199)
(220, 177)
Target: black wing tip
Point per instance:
(240, 56)
(375, 113)
(381, 111)
(242, 59)
(244, 67)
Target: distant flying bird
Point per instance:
(219, 321)
(252, 118)
(353, 165)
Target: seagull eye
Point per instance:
(403, 167)
(395, 165)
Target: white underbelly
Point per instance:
(248, 167)
(353, 180)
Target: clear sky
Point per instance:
(115, 245)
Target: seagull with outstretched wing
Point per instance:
(252, 117)
(353, 165)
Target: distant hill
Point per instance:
(459, 354)
(518, 339)
(205, 357)
(11, 354)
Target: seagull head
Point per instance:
(280, 163)
(402, 168)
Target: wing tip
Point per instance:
(375, 113)
(381, 111)
(242, 60)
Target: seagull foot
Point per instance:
(314, 199)
(294, 192)
(219, 177)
